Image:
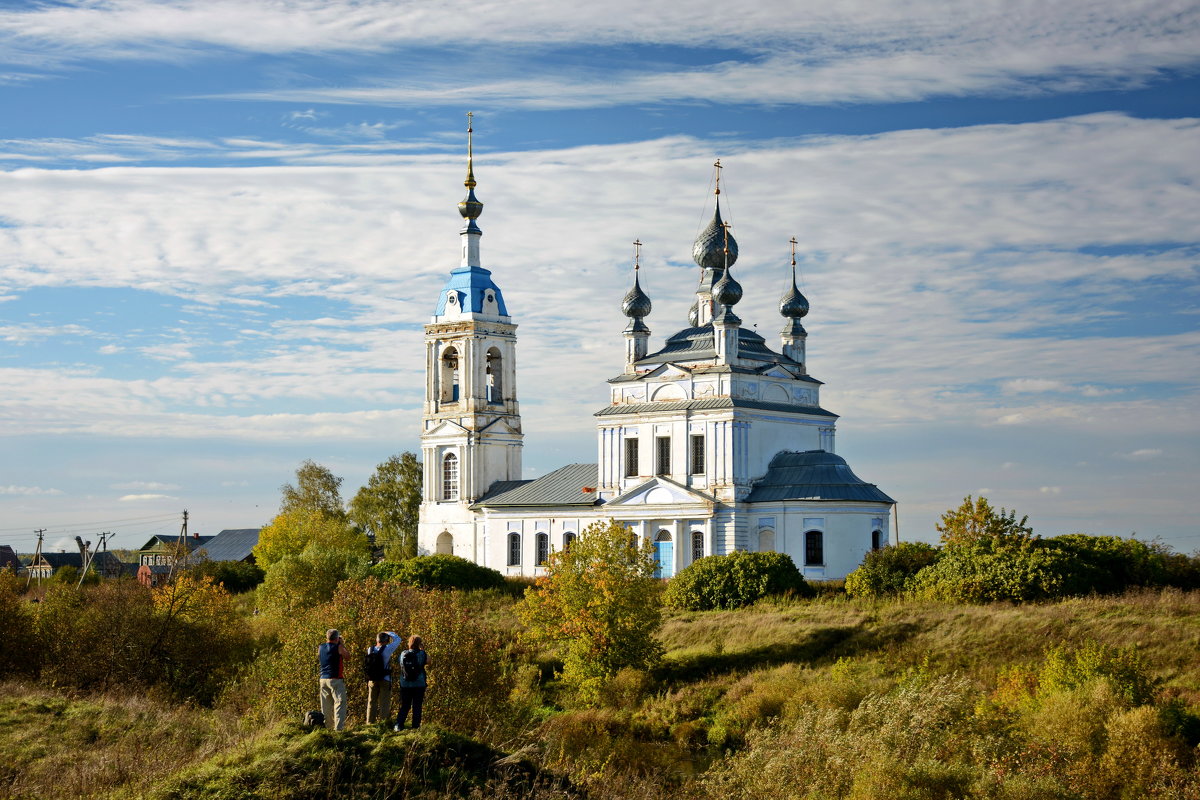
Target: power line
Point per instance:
(83, 526)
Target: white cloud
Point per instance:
(143, 498)
(147, 485)
(28, 491)
(1050, 489)
(1144, 454)
(110, 349)
(1033, 385)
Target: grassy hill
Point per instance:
(825, 698)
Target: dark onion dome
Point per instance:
(694, 314)
(709, 249)
(636, 304)
(727, 292)
(793, 304)
(470, 208)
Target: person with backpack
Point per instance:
(413, 682)
(331, 659)
(379, 676)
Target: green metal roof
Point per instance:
(562, 487)
(812, 475)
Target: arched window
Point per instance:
(766, 541)
(450, 375)
(814, 549)
(568, 540)
(876, 540)
(450, 477)
(494, 376)
(697, 545)
(543, 549)
(514, 549)
(664, 554)
(445, 543)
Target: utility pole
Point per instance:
(85, 558)
(36, 555)
(180, 547)
(89, 555)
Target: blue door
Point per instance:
(664, 560)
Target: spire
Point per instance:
(714, 250)
(793, 305)
(470, 207)
(636, 306)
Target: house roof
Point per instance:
(169, 540)
(812, 475)
(562, 487)
(58, 560)
(8, 558)
(710, 403)
(232, 544)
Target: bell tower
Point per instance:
(471, 430)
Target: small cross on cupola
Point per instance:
(636, 305)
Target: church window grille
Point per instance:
(876, 540)
(494, 373)
(514, 549)
(697, 454)
(814, 549)
(543, 549)
(631, 458)
(450, 477)
(663, 456)
(697, 545)
(568, 540)
(450, 376)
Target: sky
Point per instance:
(223, 224)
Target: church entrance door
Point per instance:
(664, 555)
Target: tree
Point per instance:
(387, 507)
(303, 580)
(316, 488)
(295, 529)
(599, 600)
(976, 520)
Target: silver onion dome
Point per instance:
(793, 304)
(636, 304)
(727, 292)
(694, 314)
(709, 248)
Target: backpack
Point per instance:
(373, 666)
(314, 719)
(410, 664)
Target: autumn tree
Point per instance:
(295, 529)
(598, 600)
(316, 488)
(387, 507)
(976, 520)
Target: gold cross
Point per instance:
(718, 166)
(726, 226)
(793, 241)
(637, 254)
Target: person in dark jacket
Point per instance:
(413, 682)
(379, 692)
(331, 660)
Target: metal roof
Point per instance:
(812, 475)
(563, 487)
(696, 344)
(710, 403)
(470, 285)
(712, 369)
(232, 544)
(172, 539)
(8, 558)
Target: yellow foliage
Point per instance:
(295, 529)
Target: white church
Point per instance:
(712, 443)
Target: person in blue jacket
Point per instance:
(413, 682)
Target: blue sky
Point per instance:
(222, 225)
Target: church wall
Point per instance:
(846, 532)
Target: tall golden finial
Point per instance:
(718, 168)
(725, 227)
(470, 181)
(637, 254)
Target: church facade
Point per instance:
(712, 443)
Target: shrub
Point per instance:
(1067, 669)
(733, 581)
(441, 571)
(1109, 564)
(235, 576)
(302, 581)
(993, 569)
(889, 570)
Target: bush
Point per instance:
(889, 570)
(302, 581)
(991, 570)
(441, 571)
(235, 576)
(733, 581)
(1110, 564)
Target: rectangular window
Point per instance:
(697, 454)
(663, 461)
(631, 458)
(814, 549)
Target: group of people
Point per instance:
(332, 657)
